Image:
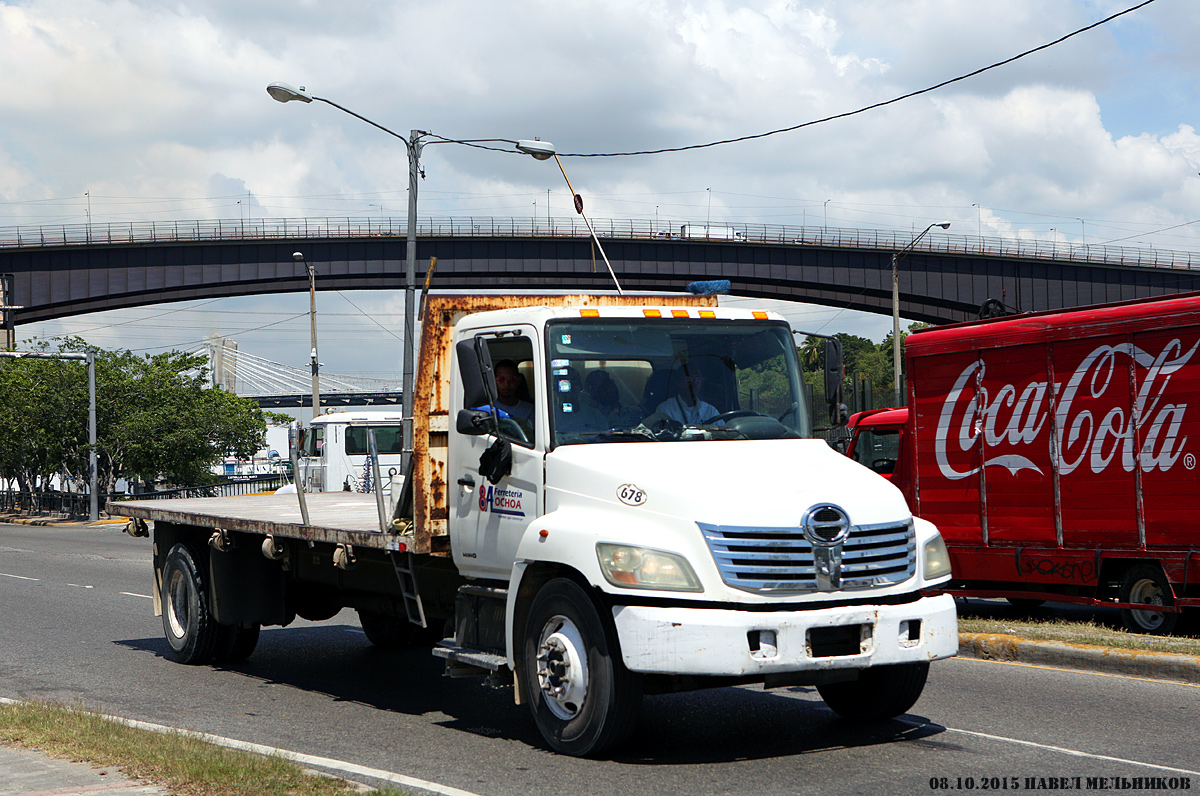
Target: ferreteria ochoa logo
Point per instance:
(1093, 424)
(502, 501)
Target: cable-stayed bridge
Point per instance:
(275, 385)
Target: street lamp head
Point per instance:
(282, 92)
(943, 226)
(540, 150)
(297, 255)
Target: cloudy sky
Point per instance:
(131, 110)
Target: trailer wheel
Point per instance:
(1146, 584)
(881, 692)
(190, 627)
(584, 700)
(392, 633)
(235, 644)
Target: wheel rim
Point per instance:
(1149, 592)
(177, 604)
(562, 669)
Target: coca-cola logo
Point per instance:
(1092, 424)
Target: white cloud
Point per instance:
(159, 112)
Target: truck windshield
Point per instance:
(670, 379)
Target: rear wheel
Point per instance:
(188, 623)
(583, 699)
(881, 692)
(1146, 584)
(235, 644)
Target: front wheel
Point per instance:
(881, 692)
(190, 628)
(583, 699)
(1146, 584)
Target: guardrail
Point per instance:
(267, 229)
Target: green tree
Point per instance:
(155, 416)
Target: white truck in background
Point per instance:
(593, 553)
(335, 455)
(694, 231)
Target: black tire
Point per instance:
(1024, 603)
(190, 628)
(392, 633)
(1146, 584)
(584, 700)
(881, 692)
(235, 644)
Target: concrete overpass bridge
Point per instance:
(68, 270)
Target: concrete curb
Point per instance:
(20, 519)
(1152, 665)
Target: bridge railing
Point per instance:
(122, 233)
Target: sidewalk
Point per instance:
(24, 772)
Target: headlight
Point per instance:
(641, 568)
(937, 559)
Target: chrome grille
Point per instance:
(782, 560)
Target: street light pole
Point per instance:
(896, 308)
(312, 329)
(415, 142)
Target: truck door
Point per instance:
(1014, 431)
(488, 519)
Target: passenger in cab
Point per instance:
(605, 401)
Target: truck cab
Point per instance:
(877, 442)
(334, 454)
(700, 513)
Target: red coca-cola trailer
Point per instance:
(1057, 454)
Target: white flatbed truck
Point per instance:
(591, 552)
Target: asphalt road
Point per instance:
(76, 624)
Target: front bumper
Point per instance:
(712, 641)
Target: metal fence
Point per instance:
(66, 504)
(267, 229)
(77, 504)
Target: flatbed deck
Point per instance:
(340, 517)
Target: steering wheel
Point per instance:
(789, 411)
(883, 465)
(725, 417)
(511, 427)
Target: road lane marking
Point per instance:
(340, 766)
(1072, 752)
(18, 577)
(131, 594)
(78, 586)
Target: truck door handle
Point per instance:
(466, 480)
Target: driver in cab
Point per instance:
(686, 406)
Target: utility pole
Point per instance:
(8, 340)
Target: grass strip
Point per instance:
(185, 765)
(1090, 633)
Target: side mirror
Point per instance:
(475, 370)
(473, 422)
(834, 371)
(296, 436)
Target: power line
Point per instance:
(847, 114)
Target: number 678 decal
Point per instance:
(631, 495)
